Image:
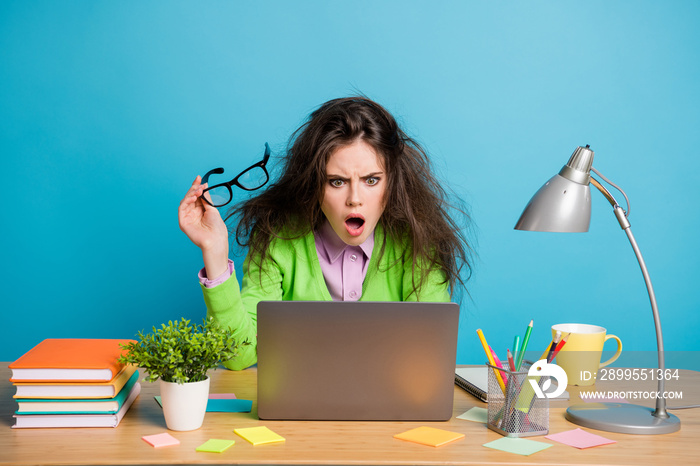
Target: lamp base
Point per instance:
(621, 417)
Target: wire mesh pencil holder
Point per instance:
(516, 411)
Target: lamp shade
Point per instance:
(563, 204)
(560, 205)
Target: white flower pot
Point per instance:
(184, 405)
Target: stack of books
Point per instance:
(73, 383)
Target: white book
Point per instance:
(76, 389)
(77, 420)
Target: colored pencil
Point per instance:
(489, 356)
(526, 340)
(560, 345)
(511, 362)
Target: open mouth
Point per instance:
(355, 224)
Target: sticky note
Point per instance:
(475, 415)
(161, 440)
(229, 406)
(222, 396)
(216, 445)
(519, 446)
(580, 439)
(222, 402)
(259, 435)
(429, 436)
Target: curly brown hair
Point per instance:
(417, 210)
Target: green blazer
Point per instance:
(292, 272)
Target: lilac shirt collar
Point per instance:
(334, 247)
(344, 267)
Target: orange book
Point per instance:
(69, 359)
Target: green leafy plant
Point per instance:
(181, 352)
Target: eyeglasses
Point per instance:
(250, 179)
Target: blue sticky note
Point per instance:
(224, 405)
(520, 446)
(229, 406)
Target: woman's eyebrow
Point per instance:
(340, 177)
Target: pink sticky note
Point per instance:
(222, 396)
(161, 440)
(580, 439)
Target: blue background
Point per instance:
(108, 110)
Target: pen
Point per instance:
(489, 356)
(516, 347)
(549, 351)
(526, 339)
(555, 342)
(546, 351)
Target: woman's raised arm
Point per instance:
(204, 226)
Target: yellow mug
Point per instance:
(580, 356)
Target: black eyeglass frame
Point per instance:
(228, 184)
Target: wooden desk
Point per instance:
(333, 443)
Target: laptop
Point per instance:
(383, 361)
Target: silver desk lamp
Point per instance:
(563, 204)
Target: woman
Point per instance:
(355, 215)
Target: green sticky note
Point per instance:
(519, 446)
(216, 445)
(476, 415)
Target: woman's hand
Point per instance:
(204, 226)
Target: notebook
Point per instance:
(474, 380)
(356, 360)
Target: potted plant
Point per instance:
(180, 354)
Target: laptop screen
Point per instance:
(327, 360)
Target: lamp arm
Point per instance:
(606, 193)
(660, 411)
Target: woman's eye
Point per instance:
(336, 183)
(372, 181)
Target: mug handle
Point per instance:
(617, 353)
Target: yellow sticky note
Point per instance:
(429, 436)
(259, 435)
(215, 445)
